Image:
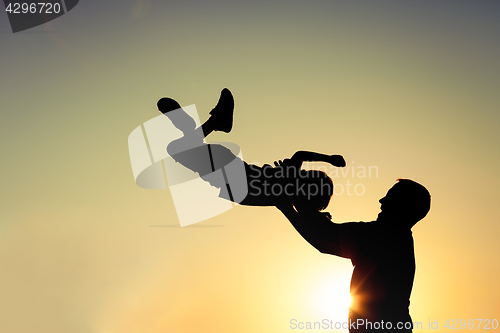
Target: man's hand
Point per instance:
(337, 160)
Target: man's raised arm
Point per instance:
(321, 233)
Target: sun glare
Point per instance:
(331, 298)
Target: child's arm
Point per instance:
(303, 156)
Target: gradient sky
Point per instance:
(411, 87)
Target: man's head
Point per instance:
(406, 202)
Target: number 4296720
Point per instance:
(484, 324)
(32, 8)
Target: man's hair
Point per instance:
(319, 189)
(415, 198)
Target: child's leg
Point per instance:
(208, 127)
(264, 187)
(221, 116)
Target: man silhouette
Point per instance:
(381, 253)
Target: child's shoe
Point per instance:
(167, 104)
(223, 112)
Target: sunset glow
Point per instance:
(401, 89)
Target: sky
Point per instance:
(409, 88)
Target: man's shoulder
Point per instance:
(354, 230)
(360, 232)
(358, 225)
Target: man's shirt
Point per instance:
(384, 267)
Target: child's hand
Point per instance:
(337, 160)
(285, 163)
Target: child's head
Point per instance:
(318, 188)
